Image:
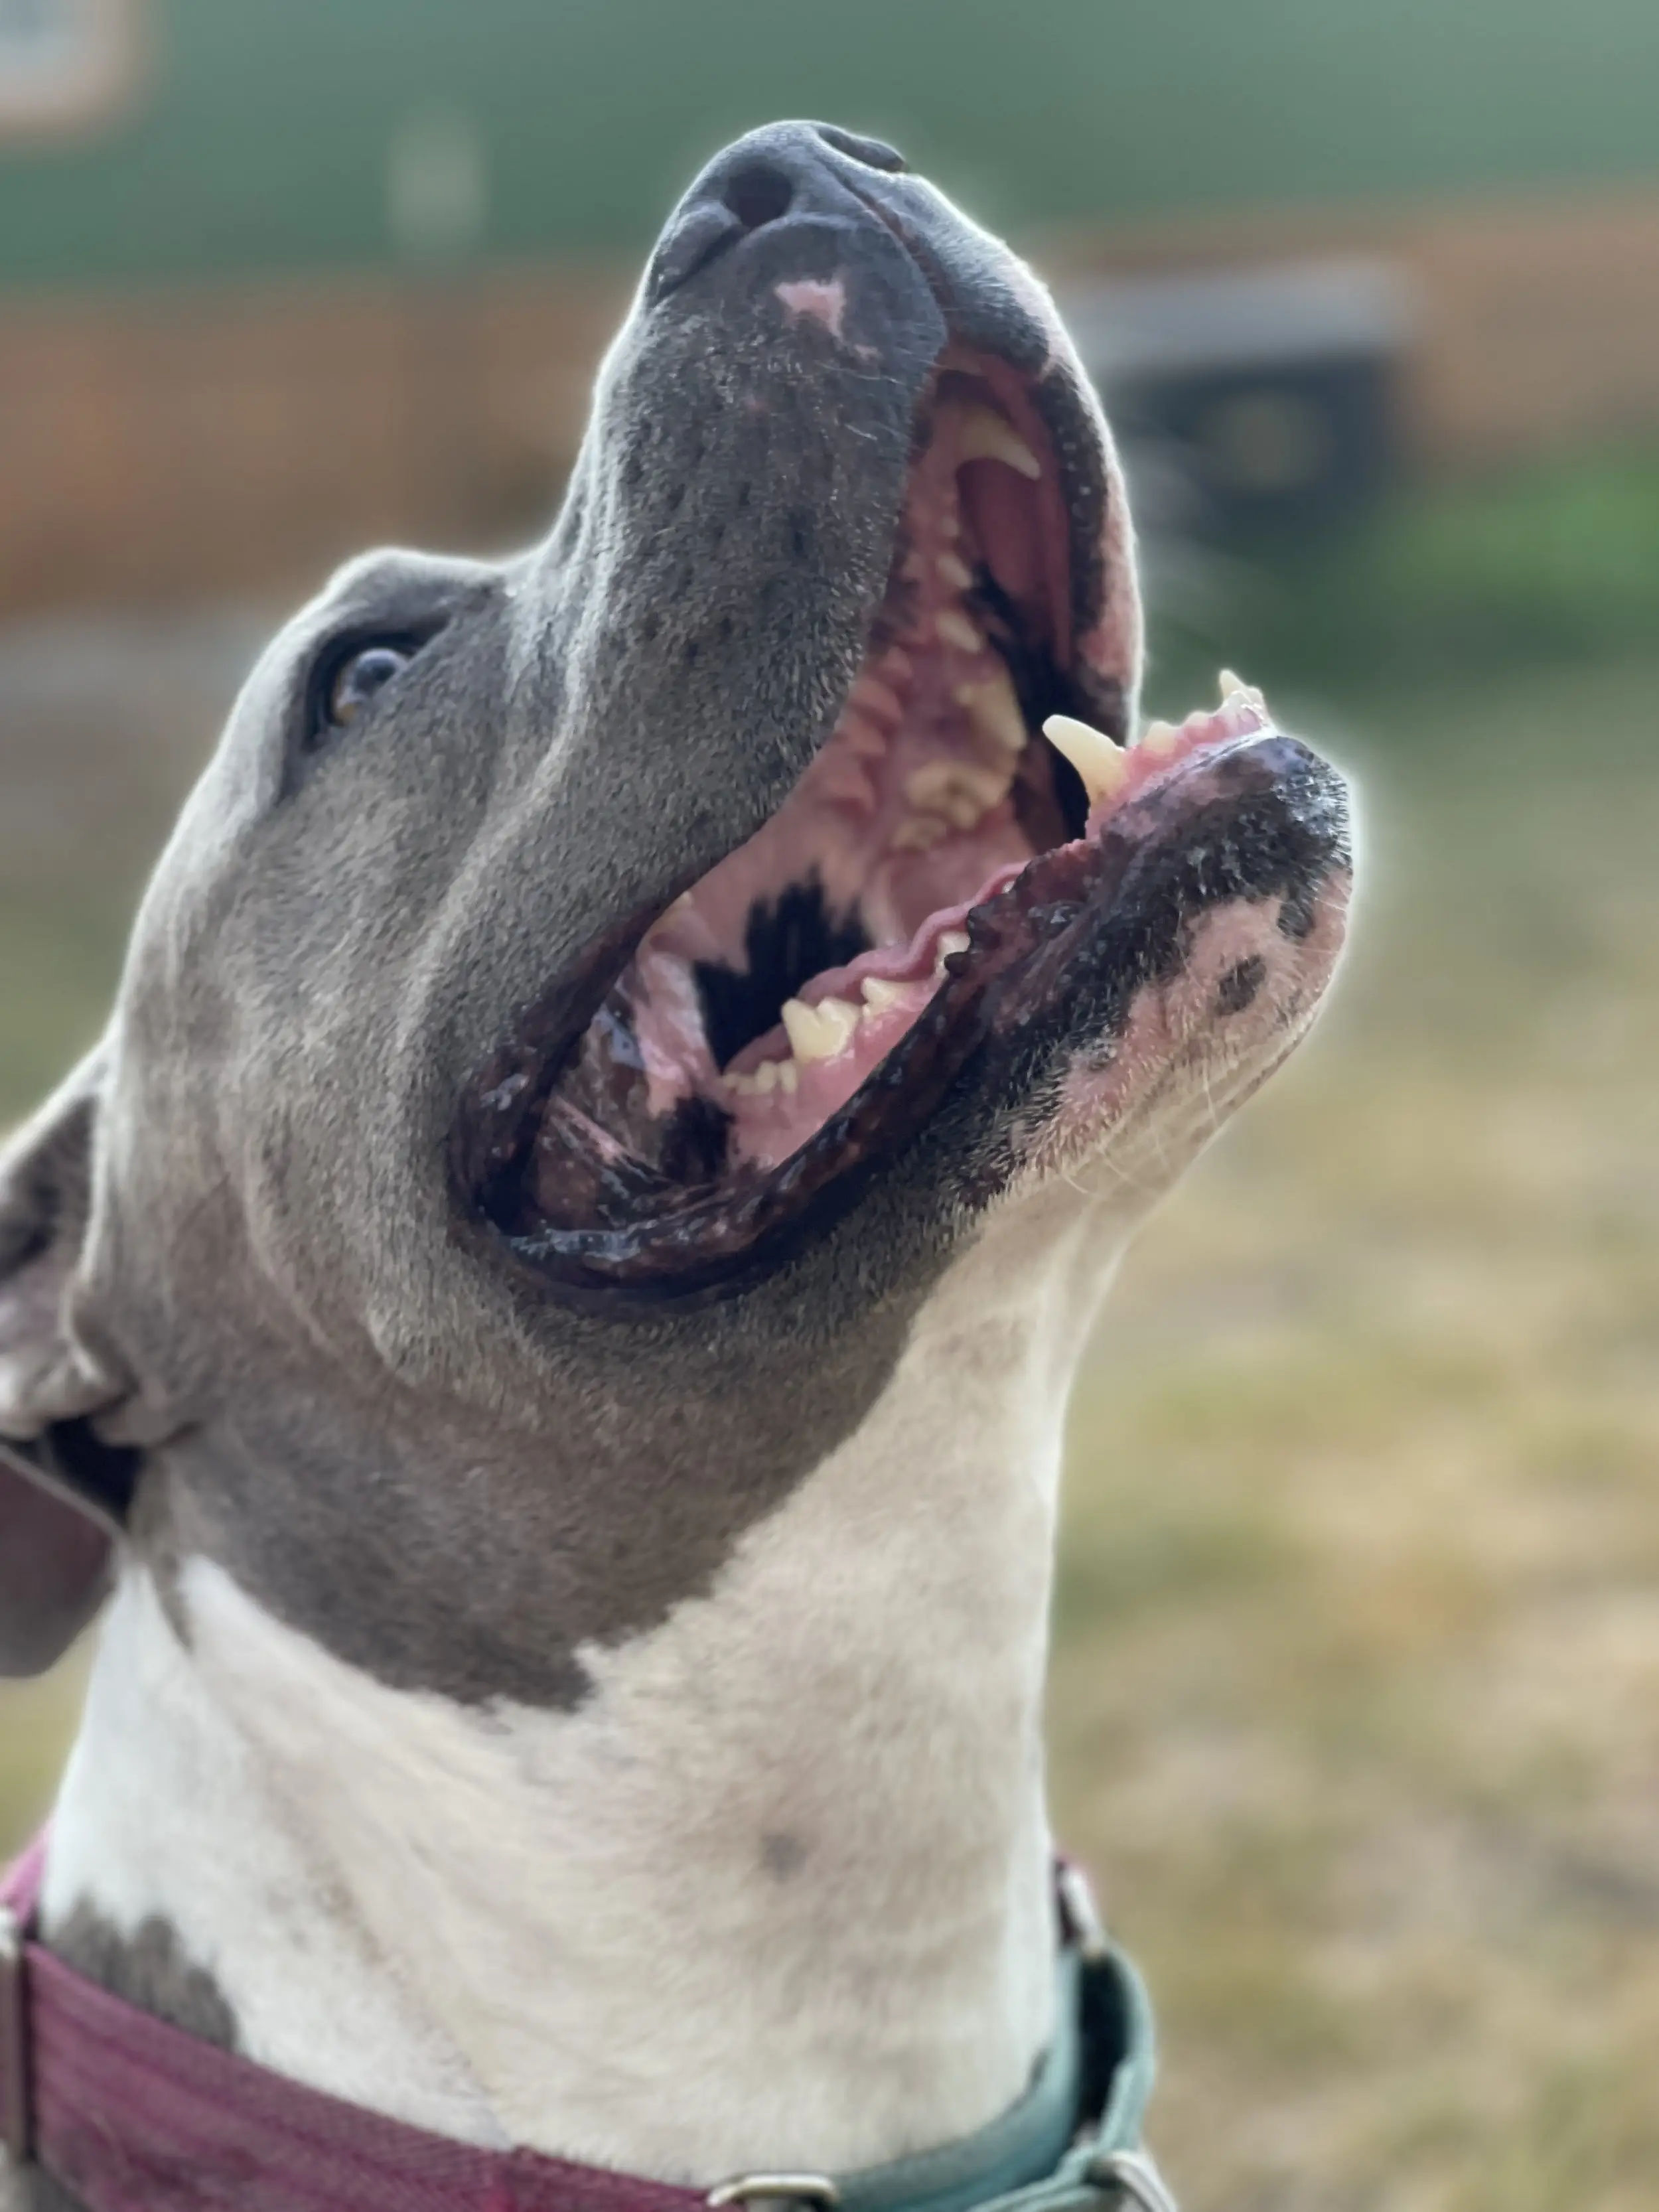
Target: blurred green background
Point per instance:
(261, 138)
(1357, 1651)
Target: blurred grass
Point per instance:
(1358, 1637)
(1559, 562)
(1359, 1629)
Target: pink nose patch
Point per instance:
(824, 301)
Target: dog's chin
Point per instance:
(952, 919)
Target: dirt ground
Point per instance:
(1356, 1699)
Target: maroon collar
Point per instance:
(131, 2114)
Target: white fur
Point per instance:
(778, 1894)
(166, 1809)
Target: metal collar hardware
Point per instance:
(1134, 2178)
(79, 2067)
(798, 2188)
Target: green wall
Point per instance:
(260, 141)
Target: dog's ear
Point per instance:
(62, 1493)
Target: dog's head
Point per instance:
(591, 1000)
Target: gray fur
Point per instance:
(232, 1246)
(344, 1393)
(361, 1413)
(148, 1968)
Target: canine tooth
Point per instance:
(879, 994)
(955, 571)
(818, 1032)
(951, 941)
(955, 629)
(1101, 764)
(1160, 737)
(919, 833)
(988, 436)
(993, 710)
(1233, 686)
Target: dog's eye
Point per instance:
(357, 679)
(344, 681)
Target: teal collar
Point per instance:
(119, 2106)
(1073, 2139)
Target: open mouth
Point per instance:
(712, 1078)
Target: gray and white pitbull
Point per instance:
(559, 1286)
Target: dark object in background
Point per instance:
(1253, 398)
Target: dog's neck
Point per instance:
(778, 1893)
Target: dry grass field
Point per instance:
(1356, 1702)
(1356, 1705)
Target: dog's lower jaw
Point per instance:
(777, 1895)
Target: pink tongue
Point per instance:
(770, 1125)
(912, 963)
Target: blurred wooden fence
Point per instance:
(162, 444)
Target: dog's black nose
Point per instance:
(787, 169)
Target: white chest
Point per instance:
(777, 1894)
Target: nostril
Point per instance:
(757, 194)
(874, 153)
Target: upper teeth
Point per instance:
(986, 436)
(962, 790)
(993, 710)
(955, 629)
(919, 833)
(1101, 764)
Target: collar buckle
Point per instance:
(815, 2189)
(14, 2130)
(1134, 2179)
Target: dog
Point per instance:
(548, 1313)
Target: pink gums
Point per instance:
(910, 857)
